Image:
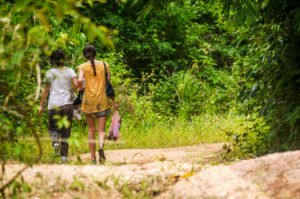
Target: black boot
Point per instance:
(102, 158)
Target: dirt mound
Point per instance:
(272, 176)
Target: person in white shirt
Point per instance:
(59, 83)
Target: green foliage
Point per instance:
(272, 71)
(77, 185)
(253, 140)
(263, 46)
(62, 122)
(18, 188)
(29, 31)
(25, 42)
(172, 66)
(192, 92)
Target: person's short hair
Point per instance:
(57, 58)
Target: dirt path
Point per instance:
(183, 172)
(193, 154)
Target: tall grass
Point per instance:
(201, 129)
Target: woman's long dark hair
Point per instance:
(89, 52)
(57, 58)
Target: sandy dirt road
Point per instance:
(182, 172)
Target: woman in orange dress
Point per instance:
(95, 103)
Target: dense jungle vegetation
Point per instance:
(185, 71)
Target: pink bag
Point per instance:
(114, 129)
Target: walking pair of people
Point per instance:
(60, 82)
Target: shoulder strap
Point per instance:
(106, 76)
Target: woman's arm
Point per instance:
(80, 79)
(43, 98)
(75, 82)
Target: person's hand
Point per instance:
(115, 106)
(41, 109)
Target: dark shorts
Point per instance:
(100, 114)
(60, 133)
(56, 114)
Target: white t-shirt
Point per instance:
(61, 91)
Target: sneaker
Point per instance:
(56, 149)
(64, 159)
(102, 158)
(93, 162)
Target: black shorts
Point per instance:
(104, 113)
(56, 114)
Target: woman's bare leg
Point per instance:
(101, 131)
(91, 129)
